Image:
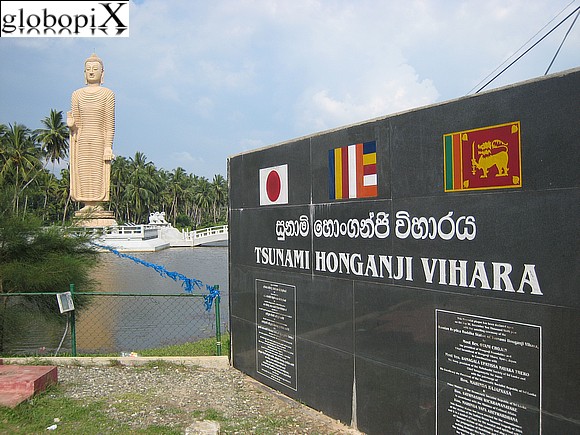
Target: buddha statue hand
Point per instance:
(70, 120)
(108, 155)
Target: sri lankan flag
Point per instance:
(353, 171)
(483, 158)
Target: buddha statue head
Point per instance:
(94, 70)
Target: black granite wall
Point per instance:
(446, 299)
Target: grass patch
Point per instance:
(129, 401)
(206, 347)
(162, 366)
(36, 361)
(74, 417)
(264, 425)
(209, 414)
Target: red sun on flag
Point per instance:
(274, 185)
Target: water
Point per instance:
(206, 264)
(126, 324)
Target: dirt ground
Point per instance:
(178, 395)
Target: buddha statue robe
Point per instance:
(92, 126)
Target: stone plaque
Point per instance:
(276, 332)
(489, 373)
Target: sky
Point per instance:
(198, 81)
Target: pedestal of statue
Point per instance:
(94, 217)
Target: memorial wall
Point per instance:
(418, 273)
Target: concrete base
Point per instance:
(205, 427)
(94, 217)
(213, 362)
(135, 245)
(91, 223)
(19, 383)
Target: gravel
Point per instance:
(178, 395)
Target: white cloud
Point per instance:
(234, 74)
(169, 93)
(373, 95)
(224, 75)
(204, 106)
(184, 159)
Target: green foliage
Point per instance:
(209, 414)
(265, 424)
(205, 347)
(115, 363)
(138, 187)
(182, 221)
(54, 136)
(37, 259)
(34, 259)
(74, 417)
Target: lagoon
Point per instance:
(116, 324)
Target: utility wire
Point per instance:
(525, 52)
(562, 43)
(63, 335)
(523, 45)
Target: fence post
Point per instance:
(218, 332)
(73, 332)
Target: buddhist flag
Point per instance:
(353, 171)
(274, 185)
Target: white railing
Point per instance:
(213, 231)
(212, 234)
(129, 232)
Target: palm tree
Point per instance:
(137, 186)
(63, 197)
(219, 191)
(202, 197)
(20, 157)
(155, 184)
(190, 208)
(54, 137)
(46, 193)
(176, 187)
(119, 175)
(140, 186)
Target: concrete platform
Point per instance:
(18, 383)
(213, 362)
(135, 245)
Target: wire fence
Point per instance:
(31, 324)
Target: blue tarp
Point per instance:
(189, 284)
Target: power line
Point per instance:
(562, 43)
(523, 45)
(525, 52)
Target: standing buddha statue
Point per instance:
(92, 127)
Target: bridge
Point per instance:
(155, 237)
(206, 236)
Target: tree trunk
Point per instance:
(65, 209)
(2, 321)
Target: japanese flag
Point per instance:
(274, 185)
